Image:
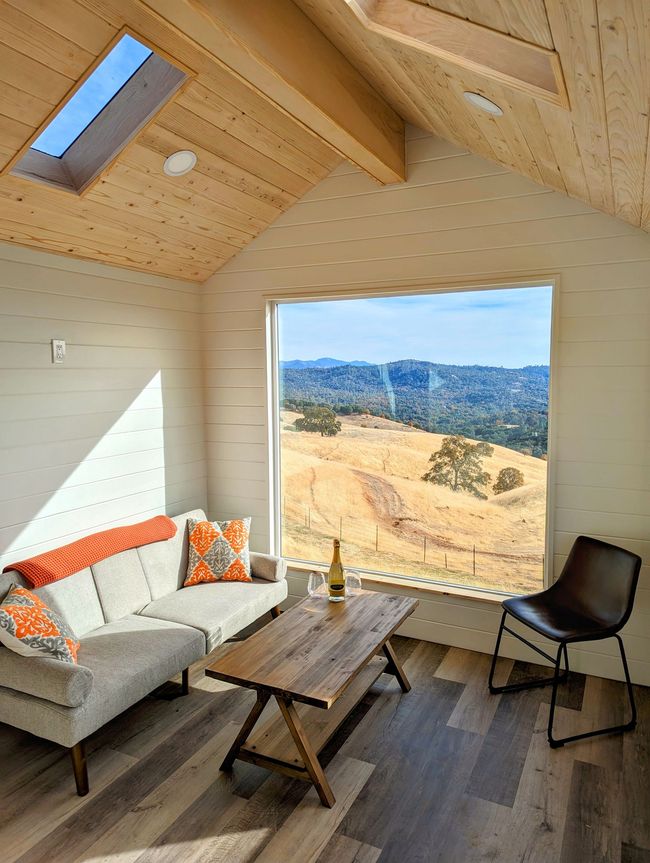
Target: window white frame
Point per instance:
(273, 413)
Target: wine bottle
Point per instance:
(336, 578)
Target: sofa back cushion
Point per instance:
(121, 584)
(74, 598)
(165, 563)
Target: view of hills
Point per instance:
(322, 363)
(503, 406)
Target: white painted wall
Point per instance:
(114, 435)
(458, 219)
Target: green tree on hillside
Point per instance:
(459, 465)
(508, 478)
(319, 419)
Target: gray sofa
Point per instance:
(138, 627)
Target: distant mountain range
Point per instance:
(322, 363)
(503, 406)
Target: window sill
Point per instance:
(435, 588)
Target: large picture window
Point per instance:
(414, 428)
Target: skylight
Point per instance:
(119, 65)
(125, 91)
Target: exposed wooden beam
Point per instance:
(505, 59)
(277, 49)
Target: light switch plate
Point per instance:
(58, 350)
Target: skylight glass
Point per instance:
(92, 97)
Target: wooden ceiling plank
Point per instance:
(306, 76)
(495, 55)
(71, 20)
(244, 98)
(42, 44)
(94, 220)
(13, 132)
(186, 123)
(135, 174)
(20, 71)
(574, 27)
(127, 185)
(624, 28)
(534, 131)
(208, 105)
(561, 137)
(526, 21)
(60, 242)
(23, 106)
(502, 132)
(213, 177)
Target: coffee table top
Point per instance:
(313, 651)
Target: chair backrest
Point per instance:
(600, 579)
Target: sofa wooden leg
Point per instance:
(185, 683)
(276, 611)
(80, 768)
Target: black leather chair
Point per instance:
(591, 600)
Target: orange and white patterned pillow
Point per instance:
(30, 628)
(218, 551)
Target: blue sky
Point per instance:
(111, 74)
(509, 327)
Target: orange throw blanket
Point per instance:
(60, 562)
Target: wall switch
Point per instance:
(58, 350)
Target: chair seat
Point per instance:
(556, 621)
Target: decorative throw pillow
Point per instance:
(218, 551)
(30, 628)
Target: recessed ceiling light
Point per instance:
(484, 104)
(179, 163)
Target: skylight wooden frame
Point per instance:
(130, 110)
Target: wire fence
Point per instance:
(407, 543)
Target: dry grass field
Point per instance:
(364, 485)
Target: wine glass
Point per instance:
(352, 582)
(316, 584)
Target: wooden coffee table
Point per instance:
(318, 660)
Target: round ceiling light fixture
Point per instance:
(179, 163)
(482, 103)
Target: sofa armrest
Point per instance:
(268, 567)
(52, 679)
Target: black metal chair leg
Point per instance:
(630, 692)
(495, 655)
(526, 684)
(613, 729)
(551, 715)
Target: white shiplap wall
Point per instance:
(458, 219)
(116, 433)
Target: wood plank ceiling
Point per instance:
(256, 155)
(254, 160)
(597, 151)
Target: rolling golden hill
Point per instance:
(364, 485)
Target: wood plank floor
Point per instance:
(444, 774)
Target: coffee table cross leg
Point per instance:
(307, 752)
(245, 730)
(395, 667)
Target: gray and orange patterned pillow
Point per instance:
(30, 628)
(218, 551)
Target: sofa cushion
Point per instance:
(60, 682)
(31, 629)
(75, 599)
(220, 609)
(165, 563)
(121, 584)
(218, 551)
(128, 658)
